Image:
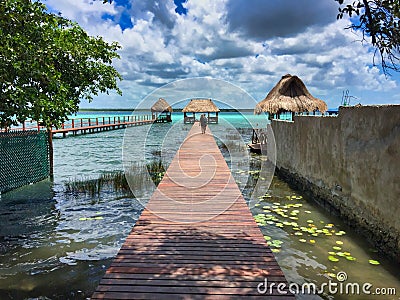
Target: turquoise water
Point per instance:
(58, 245)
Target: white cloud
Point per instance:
(164, 46)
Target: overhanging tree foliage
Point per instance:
(48, 64)
(378, 19)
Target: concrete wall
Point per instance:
(350, 163)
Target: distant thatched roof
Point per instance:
(161, 105)
(290, 94)
(201, 105)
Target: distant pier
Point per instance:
(89, 125)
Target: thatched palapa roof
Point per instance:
(161, 106)
(291, 95)
(200, 105)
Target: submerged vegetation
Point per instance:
(115, 181)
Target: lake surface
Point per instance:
(58, 245)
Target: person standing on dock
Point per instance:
(203, 123)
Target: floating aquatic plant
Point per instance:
(350, 258)
(333, 258)
(374, 262)
(267, 238)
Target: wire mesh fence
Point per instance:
(24, 158)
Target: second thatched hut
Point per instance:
(161, 111)
(290, 95)
(200, 106)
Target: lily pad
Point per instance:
(332, 258)
(312, 241)
(374, 262)
(267, 238)
(339, 242)
(277, 242)
(302, 240)
(336, 248)
(350, 258)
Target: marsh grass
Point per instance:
(115, 181)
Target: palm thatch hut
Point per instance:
(200, 106)
(161, 111)
(290, 95)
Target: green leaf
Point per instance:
(332, 258)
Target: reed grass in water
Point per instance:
(115, 181)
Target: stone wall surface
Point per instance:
(350, 163)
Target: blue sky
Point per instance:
(248, 46)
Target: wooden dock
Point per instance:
(89, 125)
(196, 238)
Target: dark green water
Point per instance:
(58, 245)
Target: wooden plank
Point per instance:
(196, 238)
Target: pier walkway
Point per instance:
(196, 238)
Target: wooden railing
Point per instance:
(88, 124)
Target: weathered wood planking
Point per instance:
(196, 238)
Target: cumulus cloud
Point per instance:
(262, 19)
(249, 43)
